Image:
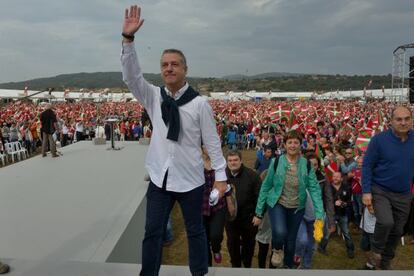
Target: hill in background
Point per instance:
(262, 82)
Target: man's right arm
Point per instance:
(133, 77)
(257, 164)
(131, 71)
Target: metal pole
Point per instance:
(112, 135)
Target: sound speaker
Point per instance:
(411, 81)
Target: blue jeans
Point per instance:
(342, 223)
(305, 243)
(159, 205)
(285, 223)
(357, 207)
(231, 146)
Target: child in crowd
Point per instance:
(368, 226)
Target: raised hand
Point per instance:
(132, 20)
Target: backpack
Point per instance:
(308, 164)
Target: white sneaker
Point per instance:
(277, 257)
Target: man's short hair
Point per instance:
(178, 52)
(234, 153)
(403, 106)
(267, 148)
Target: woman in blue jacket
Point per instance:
(283, 193)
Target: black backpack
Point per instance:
(308, 164)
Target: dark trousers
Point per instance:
(28, 146)
(214, 225)
(343, 224)
(79, 136)
(391, 211)
(64, 140)
(159, 205)
(241, 239)
(262, 254)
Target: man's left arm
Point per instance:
(212, 142)
(370, 159)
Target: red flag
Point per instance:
(330, 170)
(369, 125)
(293, 122)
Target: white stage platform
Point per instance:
(75, 207)
(60, 268)
(83, 214)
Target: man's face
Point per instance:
(401, 122)
(173, 70)
(337, 178)
(349, 153)
(268, 153)
(234, 162)
(312, 141)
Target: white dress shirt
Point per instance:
(79, 127)
(183, 158)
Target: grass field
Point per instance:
(177, 252)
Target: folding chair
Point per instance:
(21, 150)
(2, 155)
(10, 151)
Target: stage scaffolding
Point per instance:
(400, 73)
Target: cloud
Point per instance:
(219, 37)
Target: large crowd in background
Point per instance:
(335, 135)
(240, 124)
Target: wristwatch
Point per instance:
(127, 36)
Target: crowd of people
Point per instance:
(329, 135)
(241, 124)
(21, 121)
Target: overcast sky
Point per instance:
(43, 38)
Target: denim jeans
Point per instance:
(305, 243)
(357, 207)
(232, 146)
(342, 223)
(159, 205)
(285, 224)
